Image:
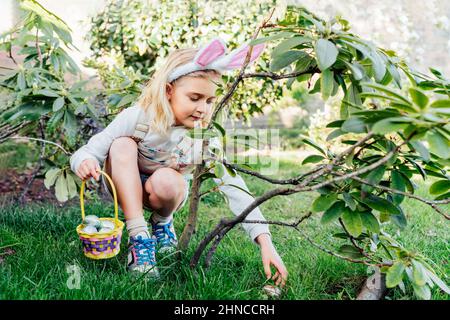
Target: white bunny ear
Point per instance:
(236, 58)
(210, 52)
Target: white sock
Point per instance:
(136, 225)
(156, 218)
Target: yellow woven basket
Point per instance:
(101, 245)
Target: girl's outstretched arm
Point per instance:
(260, 234)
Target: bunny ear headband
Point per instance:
(213, 56)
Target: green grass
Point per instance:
(45, 244)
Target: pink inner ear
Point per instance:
(213, 50)
(238, 59)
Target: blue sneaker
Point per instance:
(165, 236)
(141, 254)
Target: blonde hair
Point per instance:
(153, 98)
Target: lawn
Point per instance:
(38, 243)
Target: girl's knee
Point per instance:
(167, 184)
(123, 148)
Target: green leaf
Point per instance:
(437, 281)
(289, 44)
(421, 149)
(303, 64)
(397, 183)
(280, 35)
(219, 170)
(399, 219)
(352, 221)
(439, 144)
(129, 98)
(313, 144)
(333, 212)
(285, 59)
(439, 187)
(71, 186)
(440, 104)
(334, 134)
(354, 124)
(326, 83)
(48, 93)
(351, 101)
(356, 69)
(58, 104)
(419, 274)
(422, 292)
(394, 274)
(219, 127)
(314, 158)
(380, 204)
(374, 177)
(349, 201)
(419, 97)
(21, 81)
(386, 90)
(240, 188)
(326, 53)
(350, 252)
(61, 188)
(50, 177)
(323, 202)
(370, 221)
(390, 125)
(230, 171)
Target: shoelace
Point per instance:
(145, 250)
(163, 233)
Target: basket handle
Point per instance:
(116, 211)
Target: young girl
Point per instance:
(149, 156)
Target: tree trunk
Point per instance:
(374, 287)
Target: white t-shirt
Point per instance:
(176, 150)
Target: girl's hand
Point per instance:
(270, 257)
(88, 168)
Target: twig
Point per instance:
(432, 203)
(388, 264)
(46, 141)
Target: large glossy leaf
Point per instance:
(394, 274)
(397, 183)
(354, 124)
(50, 177)
(61, 188)
(350, 251)
(374, 177)
(323, 202)
(378, 203)
(352, 221)
(289, 44)
(370, 221)
(439, 187)
(285, 59)
(333, 212)
(326, 84)
(326, 53)
(439, 144)
(419, 97)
